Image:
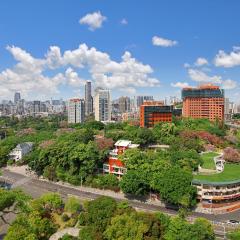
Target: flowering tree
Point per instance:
(231, 155)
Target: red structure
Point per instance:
(114, 165)
(206, 101)
(152, 112)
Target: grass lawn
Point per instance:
(231, 172)
(208, 161)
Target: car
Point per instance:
(232, 221)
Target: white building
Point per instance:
(20, 150)
(102, 105)
(76, 110)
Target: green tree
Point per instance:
(98, 213)
(132, 158)
(178, 229)
(12, 201)
(72, 205)
(235, 235)
(126, 227)
(50, 173)
(134, 182)
(144, 136)
(202, 230)
(174, 186)
(36, 223)
(90, 233)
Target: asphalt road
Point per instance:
(36, 188)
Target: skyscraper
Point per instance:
(17, 97)
(102, 105)
(140, 100)
(206, 101)
(88, 98)
(124, 104)
(36, 106)
(76, 110)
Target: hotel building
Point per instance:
(206, 101)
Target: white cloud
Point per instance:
(73, 79)
(158, 41)
(180, 84)
(93, 20)
(200, 76)
(201, 61)
(232, 59)
(186, 65)
(124, 21)
(229, 84)
(29, 75)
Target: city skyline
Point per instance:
(155, 50)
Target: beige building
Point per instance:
(102, 105)
(76, 110)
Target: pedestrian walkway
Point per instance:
(71, 231)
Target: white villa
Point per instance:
(20, 150)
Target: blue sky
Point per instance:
(184, 31)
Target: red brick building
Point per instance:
(206, 101)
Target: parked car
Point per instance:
(232, 221)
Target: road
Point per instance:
(36, 188)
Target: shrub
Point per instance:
(65, 217)
(107, 181)
(72, 205)
(231, 155)
(50, 173)
(10, 162)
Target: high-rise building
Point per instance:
(141, 99)
(206, 101)
(36, 106)
(20, 107)
(88, 98)
(124, 104)
(76, 110)
(17, 97)
(153, 112)
(102, 105)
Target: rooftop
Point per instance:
(122, 143)
(126, 143)
(231, 174)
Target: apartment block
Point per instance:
(76, 110)
(206, 101)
